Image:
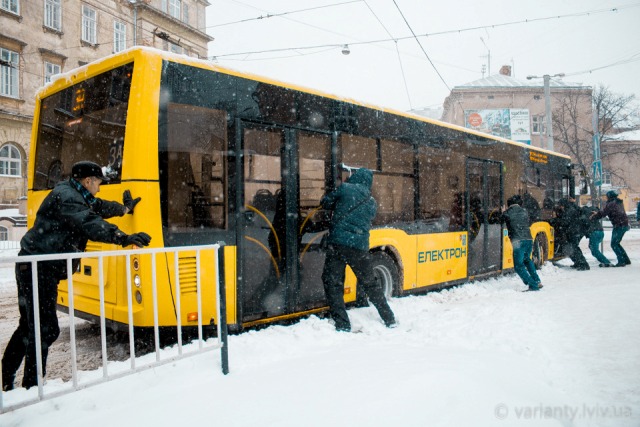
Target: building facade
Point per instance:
(40, 39)
(515, 109)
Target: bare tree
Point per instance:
(573, 128)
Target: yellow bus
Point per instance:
(219, 155)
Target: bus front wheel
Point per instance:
(538, 254)
(385, 270)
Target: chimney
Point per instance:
(505, 70)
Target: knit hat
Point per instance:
(611, 194)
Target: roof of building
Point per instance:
(500, 80)
(631, 135)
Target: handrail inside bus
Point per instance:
(273, 230)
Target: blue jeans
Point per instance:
(595, 238)
(523, 264)
(616, 238)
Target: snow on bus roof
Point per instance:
(206, 63)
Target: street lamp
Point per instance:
(547, 106)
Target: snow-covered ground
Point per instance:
(482, 354)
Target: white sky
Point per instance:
(373, 72)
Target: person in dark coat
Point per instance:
(614, 209)
(348, 244)
(595, 234)
(68, 217)
(519, 228)
(570, 223)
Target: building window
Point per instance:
(185, 13)
(174, 48)
(50, 70)
(174, 8)
(4, 234)
(11, 6)
(89, 25)
(119, 36)
(10, 161)
(9, 76)
(53, 14)
(606, 177)
(538, 124)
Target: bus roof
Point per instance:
(132, 53)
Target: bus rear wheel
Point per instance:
(385, 270)
(538, 255)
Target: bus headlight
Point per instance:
(138, 297)
(136, 281)
(136, 264)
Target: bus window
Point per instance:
(358, 152)
(86, 121)
(262, 169)
(441, 206)
(393, 187)
(314, 163)
(194, 169)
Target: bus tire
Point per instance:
(385, 270)
(539, 252)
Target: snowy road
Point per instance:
(482, 354)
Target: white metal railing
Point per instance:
(219, 343)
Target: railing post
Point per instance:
(132, 346)
(103, 324)
(72, 323)
(36, 327)
(176, 273)
(222, 311)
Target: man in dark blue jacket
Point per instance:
(348, 244)
(614, 209)
(518, 226)
(68, 217)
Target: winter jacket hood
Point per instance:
(362, 176)
(353, 211)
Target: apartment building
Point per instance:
(39, 39)
(514, 108)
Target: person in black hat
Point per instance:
(614, 209)
(68, 217)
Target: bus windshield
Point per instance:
(85, 121)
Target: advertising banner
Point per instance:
(510, 123)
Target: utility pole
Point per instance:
(488, 58)
(547, 106)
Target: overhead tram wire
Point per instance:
(274, 15)
(421, 47)
(439, 33)
(404, 78)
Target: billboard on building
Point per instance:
(510, 123)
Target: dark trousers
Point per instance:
(333, 275)
(22, 344)
(616, 237)
(575, 253)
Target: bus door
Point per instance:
(284, 175)
(483, 203)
